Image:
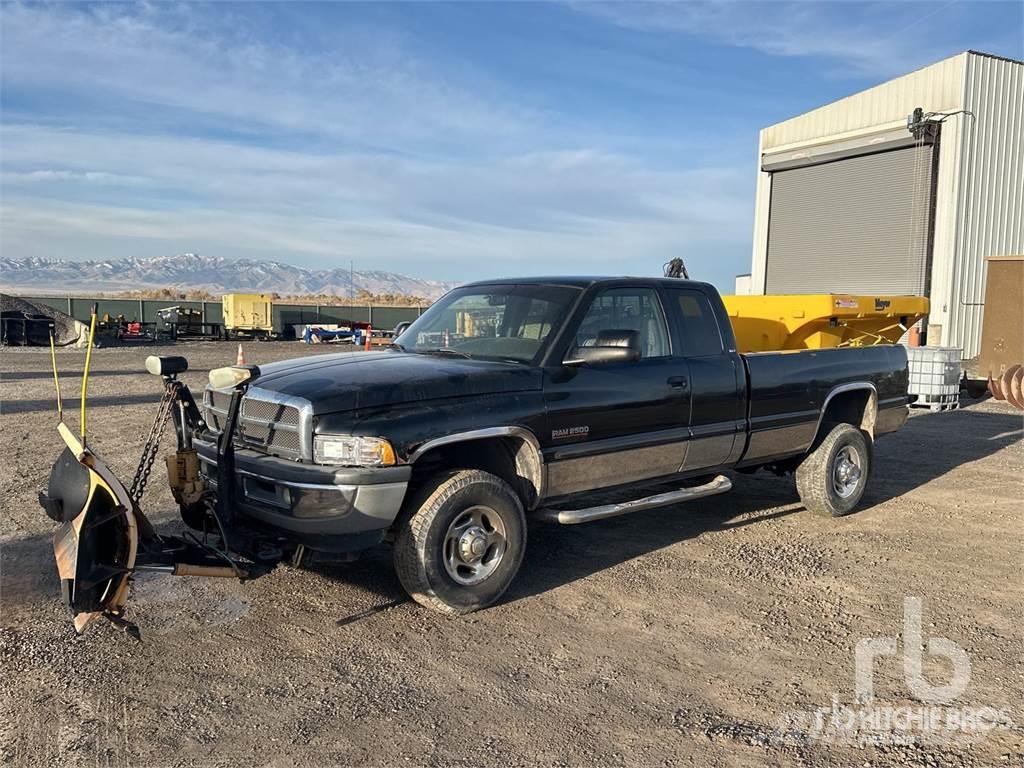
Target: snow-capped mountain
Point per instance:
(211, 273)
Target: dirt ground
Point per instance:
(689, 635)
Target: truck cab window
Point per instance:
(699, 328)
(627, 309)
(504, 322)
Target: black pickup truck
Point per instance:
(516, 398)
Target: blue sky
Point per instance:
(449, 141)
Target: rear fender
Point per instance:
(854, 403)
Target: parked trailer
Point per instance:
(186, 322)
(24, 329)
(248, 315)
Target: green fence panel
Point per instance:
(214, 311)
(386, 318)
(284, 315)
(81, 307)
(57, 302)
(287, 315)
(342, 315)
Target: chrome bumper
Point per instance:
(311, 500)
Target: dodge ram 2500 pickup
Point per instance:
(524, 397)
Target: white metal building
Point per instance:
(851, 200)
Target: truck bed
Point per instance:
(788, 393)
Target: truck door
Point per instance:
(717, 381)
(614, 423)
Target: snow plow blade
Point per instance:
(104, 539)
(97, 542)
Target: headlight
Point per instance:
(353, 451)
(231, 377)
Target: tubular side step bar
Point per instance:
(720, 484)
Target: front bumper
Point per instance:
(333, 508)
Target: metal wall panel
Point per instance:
(866, 116)
(935, 87)
(990, 206)
(857, 225)
(979, 200)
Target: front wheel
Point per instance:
(461, 542)
(831, 478)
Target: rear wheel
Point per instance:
(831, 478)
(461, 542)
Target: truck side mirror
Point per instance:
(401, 328)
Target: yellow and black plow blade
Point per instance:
(104, 538)
(98, 539)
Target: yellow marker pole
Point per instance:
(85, 373)
(56, 381)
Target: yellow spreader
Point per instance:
(820, 321)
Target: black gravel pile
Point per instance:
(66, 329)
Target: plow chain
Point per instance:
(152, 445)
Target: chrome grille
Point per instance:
(272, 436)
(266, 411)
(264, 422)
(215, 404)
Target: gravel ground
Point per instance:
(681, 636)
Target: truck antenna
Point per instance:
(56, 379)
(85, 373)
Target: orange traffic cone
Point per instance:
(241, 356)
(369, 333)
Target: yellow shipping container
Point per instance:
(248, 312)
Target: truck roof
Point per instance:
(584, 281)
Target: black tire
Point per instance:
(424, 545)
(821, 475)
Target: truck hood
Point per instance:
(357, 380)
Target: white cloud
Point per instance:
(864, 38)
(363, 89)
(579, 208)
(101, 178)
(361, 153)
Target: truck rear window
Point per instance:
(698, 327)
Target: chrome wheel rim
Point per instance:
(474, 545)
(846, 471)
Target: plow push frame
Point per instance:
(104, 537)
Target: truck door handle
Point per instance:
(677, 382)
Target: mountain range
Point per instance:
(191, 271)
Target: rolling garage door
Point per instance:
(854, 225)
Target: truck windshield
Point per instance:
(494, 322)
